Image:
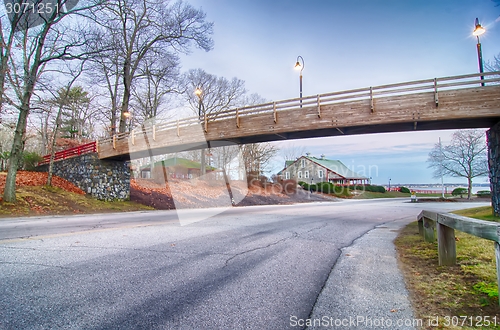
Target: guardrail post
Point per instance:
(436, 100)
(429, 225)
(274, 113)
(319, 107)
(421, 227)
(447, 251)
(497, 254)
(372, 107)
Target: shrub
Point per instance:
(30, 160)
(483, 193)
(459, 191)
(370, 188)
(404, 190)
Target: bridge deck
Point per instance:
(442, 103)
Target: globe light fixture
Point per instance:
(300, 67)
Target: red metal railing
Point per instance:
(71, 152)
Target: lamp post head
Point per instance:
(479, 30)
(126, 114)
(299, 66)
(198, 92)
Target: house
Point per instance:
(313, 170)
(175, 168)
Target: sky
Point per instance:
(346, 45)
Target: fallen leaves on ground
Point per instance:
(27, 178)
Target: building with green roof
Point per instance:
(313, 170)
(175, 167)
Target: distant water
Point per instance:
(435, 189)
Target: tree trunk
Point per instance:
(203, 169)
(151, 163)
(494, 166)
(16, 153)
(469, 190)
(53, 148)
(127, 84)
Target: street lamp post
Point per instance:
(126, 116)
(300, 67)
(198, 93)
(479, 30)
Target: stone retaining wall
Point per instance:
(103, 179)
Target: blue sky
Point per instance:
(346, 45)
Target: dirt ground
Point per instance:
(200, 193)
(184, 193)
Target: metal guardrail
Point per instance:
(444, 224)
(434, 85)
(71, 152)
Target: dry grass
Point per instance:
(467, 289)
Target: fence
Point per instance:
(446, 223)
(71, 152)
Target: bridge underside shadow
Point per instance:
(317, 133)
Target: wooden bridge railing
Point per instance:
(446, 223)
(434, 85)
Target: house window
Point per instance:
(302, 163)
(299, 175)
(320, 174)
(306, 174)
(287, 175)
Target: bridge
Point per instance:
(465, 101)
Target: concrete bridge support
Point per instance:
(494, 165)
(102, 179)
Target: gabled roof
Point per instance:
(332, 165)
(338, 167)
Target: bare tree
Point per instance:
(465, 157)
(37, 46)
(136, 30)
(256, 157)
(217, 93)
(63, 100)
(493, 65)
(156, 80)
(292, 152)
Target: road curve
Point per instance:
(244, 268)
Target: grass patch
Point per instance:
(45, 200)
(372, 195)
(481, 213)
(467, 289)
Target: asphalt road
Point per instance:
(246, 268)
